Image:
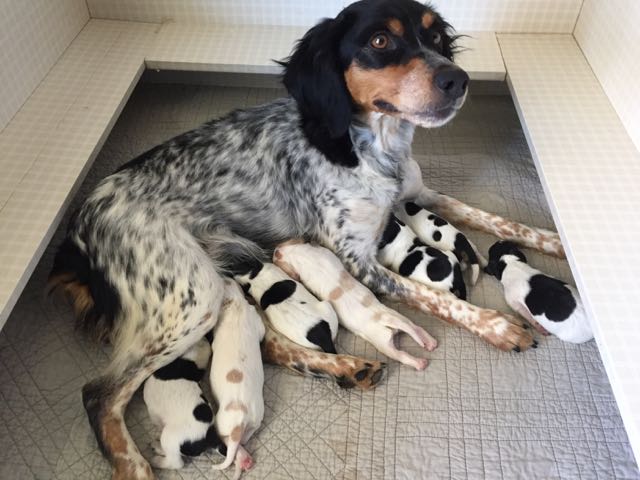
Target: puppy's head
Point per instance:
(388, 56)
(497, 251)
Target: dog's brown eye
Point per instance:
(436, 38)
(380, 40)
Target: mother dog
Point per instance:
(143, 258)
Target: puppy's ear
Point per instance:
(314, 77)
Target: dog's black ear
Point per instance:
(314, 77)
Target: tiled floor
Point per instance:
(473, 413)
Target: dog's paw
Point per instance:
(360, 373)
(506, 332)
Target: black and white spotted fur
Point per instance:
(290, 308)
(177, 406)
(144, 254)
(402, 251)
(549, 304)
(436, 232)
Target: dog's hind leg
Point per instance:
(461, 214)
(181, 308)
(346, 370)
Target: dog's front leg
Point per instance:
(461, 214)
(499, 329)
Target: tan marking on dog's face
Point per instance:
(235, 376)
(336, 293)
(236, 433)
(427, 20)
(395, 26)
(409, 87)
(236, 405)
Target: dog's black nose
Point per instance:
(452, 81)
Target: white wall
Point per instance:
(33, 34)
(608, 33)
(494, 15)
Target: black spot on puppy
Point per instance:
(439, 267)
(320, 335)
(550, 297)
(390, 233)
(203, 413)
(411, 208)
(438, 221)
(180, 368)
(459, 289)
(437, 236)
(277, 293)
(464, 249)
(344, 382)
(410, 263)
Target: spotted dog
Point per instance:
(176, 404)
(237, 376)
(402, 251)
(358, 309)
(143, 256)
(438, 233)
(549, 304)
(290, 308)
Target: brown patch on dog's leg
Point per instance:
(459, 213)
(347, 371)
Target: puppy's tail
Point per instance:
(95, 301)
(232, 449)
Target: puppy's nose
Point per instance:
(452, 81)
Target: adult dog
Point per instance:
(143, 258)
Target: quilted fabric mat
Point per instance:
(473, 413)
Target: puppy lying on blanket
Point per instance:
(290, 308)
(438, 233)
(175, 403)
(237, 376)
(358, 309)
(549, 304)
(403, 252)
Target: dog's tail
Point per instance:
(95, 301)
(232, 449)
(229, 252)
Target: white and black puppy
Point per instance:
(403, 252)
(237, 376)
(176, 404)
(549, 304)
(290, 308)
(437, 232)
(358, 309)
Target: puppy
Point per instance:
(290, 308)
(403, 252)
(437, 232)
(237, 376)
(549, 304)
(358, 309)
(175, 403)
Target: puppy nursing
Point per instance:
(175, 403)
(438, 233)
(290, 308)
(358, 309)
(549, 304)
(403, 252)
(237, 375)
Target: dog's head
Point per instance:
(388, 56)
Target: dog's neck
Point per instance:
(383, 141)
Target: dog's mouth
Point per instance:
(436, 116)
